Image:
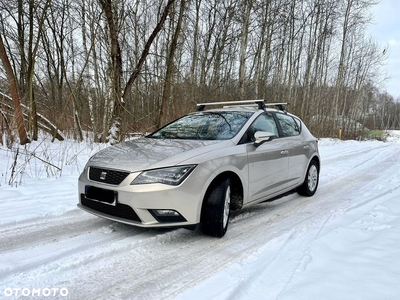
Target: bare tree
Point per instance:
(169, 76)
(114, 66)
(19, 120)
(243, 46)
(118, 98)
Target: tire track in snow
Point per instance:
(30, 245)
(47, 230)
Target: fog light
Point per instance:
(166, 212)
(167, 215)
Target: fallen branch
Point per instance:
(43, 122)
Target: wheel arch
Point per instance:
(236, 190)
(317, 160)
(304, 188)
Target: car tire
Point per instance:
(310, 184)
(216, 214)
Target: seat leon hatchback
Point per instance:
(198, 168)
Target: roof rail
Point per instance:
(261, 104)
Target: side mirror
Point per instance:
(262, 137)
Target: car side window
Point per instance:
(264, 122)
(289, 125)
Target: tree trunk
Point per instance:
(115, 71)
(14, 94)
(119, 98)
(163, 116)
(146, 50)
(243, 47)
(195, 61)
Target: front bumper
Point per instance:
(148, 205)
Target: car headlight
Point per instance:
(170, 176)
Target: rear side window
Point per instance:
(289, 126)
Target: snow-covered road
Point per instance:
(343, 243)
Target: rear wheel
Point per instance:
(216, 214)
(310, 184)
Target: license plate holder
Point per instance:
(105, 196)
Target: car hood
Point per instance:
(150, 153)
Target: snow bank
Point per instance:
(393, 136)
(41, 176)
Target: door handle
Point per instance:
(284, 152)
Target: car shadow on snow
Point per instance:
(193, 231)
(261, 207)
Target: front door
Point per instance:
(268, 163)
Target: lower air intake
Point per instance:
(119, 210)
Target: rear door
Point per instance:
(297, 148)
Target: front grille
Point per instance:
(119, 210)
(107, 176)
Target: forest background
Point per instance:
(118, 67)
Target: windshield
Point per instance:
(208, 125)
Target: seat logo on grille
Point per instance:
(103, 175)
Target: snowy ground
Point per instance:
(343, 243)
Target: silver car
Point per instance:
(198, 168)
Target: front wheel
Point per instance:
(216, 214)
(310, 184)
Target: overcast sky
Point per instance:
(386, 31)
